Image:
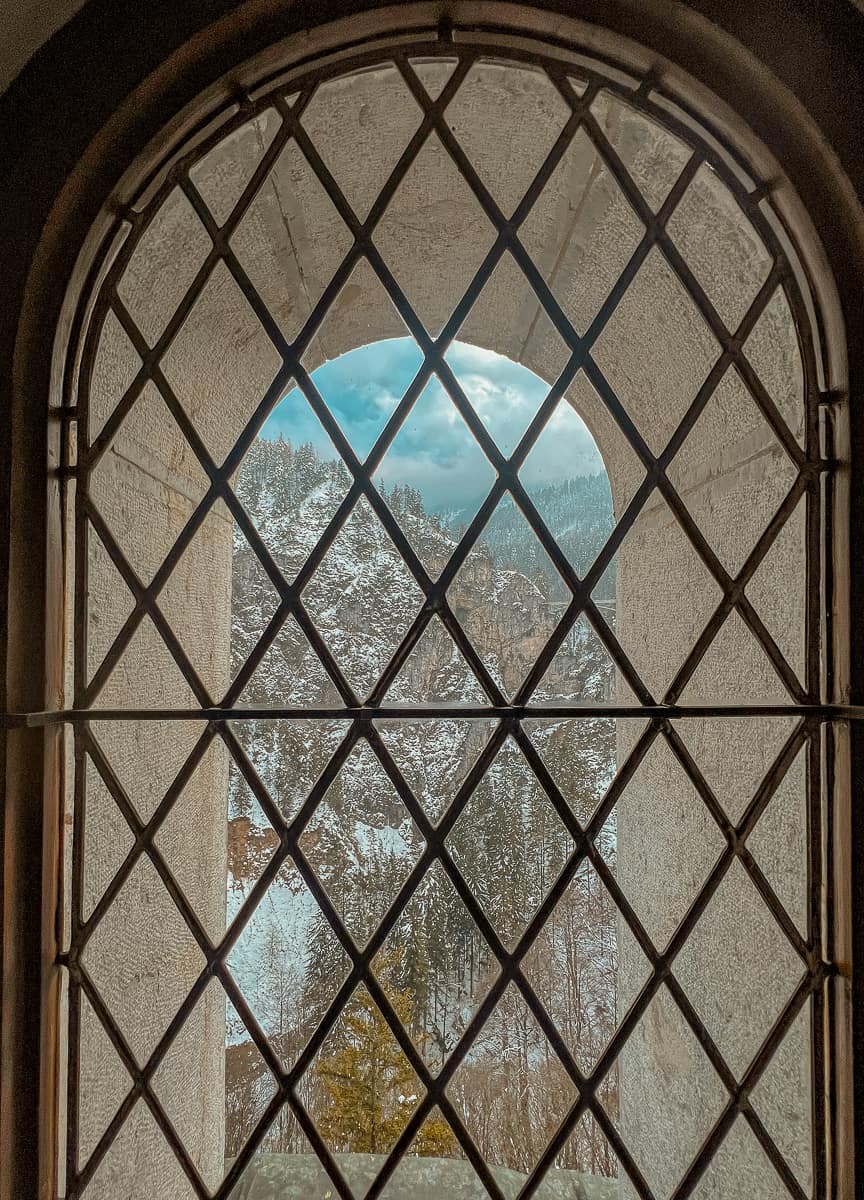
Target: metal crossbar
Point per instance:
(809, 701)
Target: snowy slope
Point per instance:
(361, 841)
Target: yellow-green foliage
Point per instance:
(370, 1088)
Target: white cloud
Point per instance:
(435, 451)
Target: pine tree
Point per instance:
(435, 1139)
(370, 1089)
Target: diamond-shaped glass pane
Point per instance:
(165, 262)
(254, 601)
(729, 433)
(653, 156)
(224, 173)
(775, 355)
(193, 1109)
(163, 745)
(436, 966)
(362, 598)
(674, 1096)
(291, 482)
(509, 843)
(778, 590)
(291, 240)
(507, 319)
(499, 104)
(740, 1167)
(573, 966)
(587, 1157)
(508, 596)
(581, 232)
(361, 842)
(107, 840)
(564, 477)
(434, 476)
(285, 1161)
(435, 756)
(433, 73)
(433, 1162)
(252, 842)
(368, 1088)
(432, 211)
(782, 1099)
(114, 368)
(157, 1169)
(103, 1081)
(237, 850)
(436, 672)
(580, 755)
(720, 245)
(735, 667)
(625, 469)
(511, 1057)
(658, 572)
(360, 124)
(656, 344)
(249, 1085)
(734, 754)
(362, 383)
(779, 842)
(661, 796)
(148, 446)
(147, 675)
(582, 669)
(221, 348)
(290, 673)
(143, 959)
(288, 963)
(288, 757)
(110, 602)
(202, 605)
(724, 970)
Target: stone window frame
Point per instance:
(38, 737)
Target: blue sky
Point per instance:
(434, 450)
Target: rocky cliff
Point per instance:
(362, 842)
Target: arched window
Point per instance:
(448, 783)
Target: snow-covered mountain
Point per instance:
(361, 841)
(577, 512)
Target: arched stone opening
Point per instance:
(217, 358)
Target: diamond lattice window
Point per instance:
(471, 847)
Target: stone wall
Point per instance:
(731, 473)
